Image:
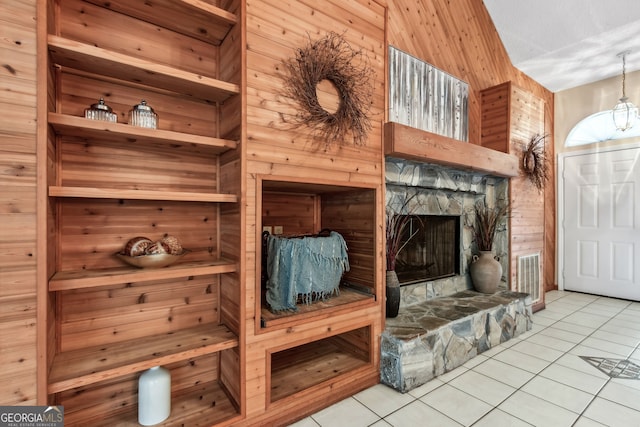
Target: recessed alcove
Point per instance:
(291, 208)
(299, 368)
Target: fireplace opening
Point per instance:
(433, 252)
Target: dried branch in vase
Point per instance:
(395, 229)
(486, 223)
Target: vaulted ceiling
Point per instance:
(567, 43)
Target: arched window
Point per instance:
(598, 127)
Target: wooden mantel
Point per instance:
(414, 144)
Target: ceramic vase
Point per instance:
(154, 396)
(393, 294)
(486, 272)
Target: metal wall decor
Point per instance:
(426, 98)
(331, 58)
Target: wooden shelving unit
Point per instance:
(90, 365)
(301, 368)
(80, 279)
(193, 178)
(109, 182)
(121, 193)
(190, 407)
(348, 299)
(91, 59)
(104, 131)
(306, 207)
(193, 18)
(326, 349)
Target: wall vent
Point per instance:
(529, 273)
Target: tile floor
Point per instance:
(535, 379)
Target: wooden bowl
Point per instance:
(151, 261)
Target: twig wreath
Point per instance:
(331, 58)
(534, 163)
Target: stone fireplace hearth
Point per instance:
(426, 340)
(444, 191)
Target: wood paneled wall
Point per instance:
(275, 148)
(18, 203)
(456, 37)
(460, 38)
(511, 118)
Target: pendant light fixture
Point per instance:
(625, 113)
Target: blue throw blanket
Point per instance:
(309, 267)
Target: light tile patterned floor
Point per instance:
(535, 379)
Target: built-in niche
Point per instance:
(299, 368)
(293, 209)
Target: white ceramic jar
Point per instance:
(154, 396)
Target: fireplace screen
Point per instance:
(434, 250)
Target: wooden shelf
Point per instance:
(67, 280)
(96, 60)
(193, 18)
(68, 125)
(186, 55)
(302, 367)
(202, 405)
(410, 143)
(88, 366)
(120, 193)
(347, 299)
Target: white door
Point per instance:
(601, 223)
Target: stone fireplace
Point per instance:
(443, 197)
(431, 248)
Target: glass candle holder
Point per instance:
(142, 115)
(100, 111)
